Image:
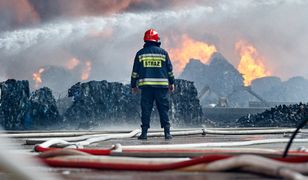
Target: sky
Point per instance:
(98, 39)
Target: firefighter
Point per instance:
(152, 73)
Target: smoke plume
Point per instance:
(105, 35)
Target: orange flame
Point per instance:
(37, 77)
(72, 63)
(86, 71)
(251, 63)
(190, 48)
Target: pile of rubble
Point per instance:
(273, 89)
(59, 79)
(279, 116)
(19, 110)
(219, 77)
(185, 106)
(89, 105)
(102, 102)
(43, 112)
(14, 104)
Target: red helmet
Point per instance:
(151, 35)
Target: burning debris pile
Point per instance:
(220, 80)
(55, 77)
(219, 74)
(103, 102)
(279, 116)
(219, 77)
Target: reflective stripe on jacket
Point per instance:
(152, 67)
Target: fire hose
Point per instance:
(214, 144)
(153, 153)
(177, 150)
(86, 140)
(281, 167)
(301, 125)
(260, 165)
(249, 132)
(104, 137)
(79, 145)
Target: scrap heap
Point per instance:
(221, 79)
(42, 106)
(279, 116)
(19, 110)
(108, 103)
(93, 103)
(14, 103)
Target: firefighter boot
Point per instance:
(167, 133)
(143, 135)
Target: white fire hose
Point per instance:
(88, 139)
(81, 144)
(249, 132)
(257, 164)
(214, 144)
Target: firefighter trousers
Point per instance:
(161, 98)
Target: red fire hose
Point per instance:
(170, 152)
(89, 151)
(58, 162)
(133, 167)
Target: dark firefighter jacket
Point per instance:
(152, 67)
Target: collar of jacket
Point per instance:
(151, 43)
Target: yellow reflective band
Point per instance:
(153, 83)
(152, 55)
(134, 75)
(154, 80)
(152, 58)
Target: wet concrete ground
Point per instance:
(72, 173)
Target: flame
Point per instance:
(37, 77)
(251, 63)
(72, 63)
(190, 48)
(86, 71)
